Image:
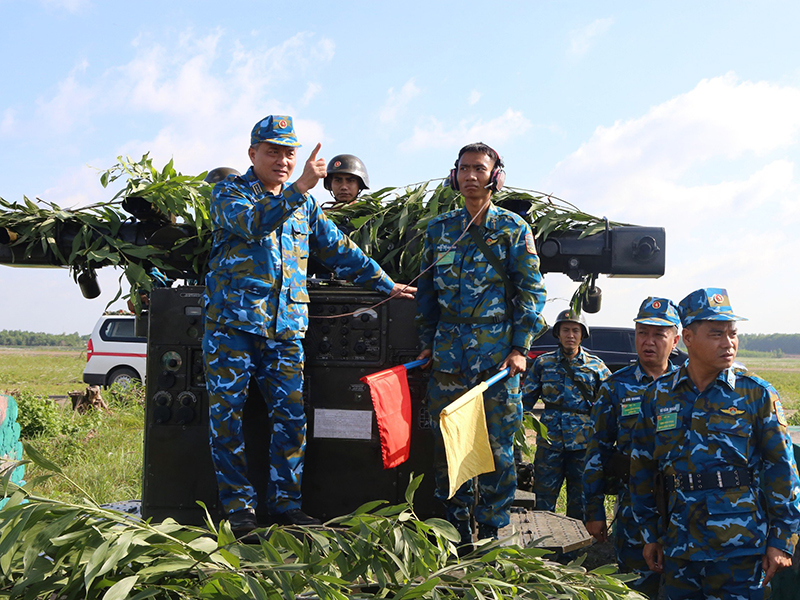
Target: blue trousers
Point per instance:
(731, 579)
(550, 469)
(232, 359)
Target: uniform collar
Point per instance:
(578, 357)
(256, 185)
(490, 221)
(641, 375)
(726, 377)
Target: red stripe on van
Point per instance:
(126, 354)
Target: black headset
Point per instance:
(496, 181)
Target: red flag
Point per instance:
(392, 402)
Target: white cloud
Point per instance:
(72, 6)
(8, 121)
(721, 119)
(473, 98)
(80, 187)
(207, 91)
(396, 102)
(69, 105)
(716, 167)
(580, 40)
(432, 133)
(312, 89)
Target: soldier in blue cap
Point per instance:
(567, 381)
(614, 414)
(256, 313)
(716, 436)
(479, 309)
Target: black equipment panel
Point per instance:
(177, 457)
(343, 467)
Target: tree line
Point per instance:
(779, 343)
(784, 343)
(31, 338)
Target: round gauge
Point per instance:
(162, 398)
(171, 361)
(187, 399)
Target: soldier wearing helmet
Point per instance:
(346, 177)
(566, 380)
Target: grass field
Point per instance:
(103, 452)
(783, 373)
(49, 372)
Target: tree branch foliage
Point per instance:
(51, 549)
(172, 229)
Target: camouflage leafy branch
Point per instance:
(52, 549)
(160, 219)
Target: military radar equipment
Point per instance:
(343, 467)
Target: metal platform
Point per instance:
(544, 529)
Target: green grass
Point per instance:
(99, 451)
(103, 452)
(49, 372)
(104, 457)
(783, 373)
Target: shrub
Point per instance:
(38, 415)
(130, 394)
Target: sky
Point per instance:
(682, 115)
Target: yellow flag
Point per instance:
(466, 439)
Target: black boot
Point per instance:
(487, 532)
(242, 522)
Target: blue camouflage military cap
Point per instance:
(707, 304)
(658, 311)
(275, 129)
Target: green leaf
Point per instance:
(412, 487)
(39, 460)
(121, 589)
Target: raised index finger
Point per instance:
(313, 156)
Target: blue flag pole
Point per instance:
(495, 378)
(415, 363)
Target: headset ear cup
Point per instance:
(498, 179)
(453, 179)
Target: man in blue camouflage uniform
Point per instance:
(567, 381)
(347, 177)
(475, 319)
(256, 313)
(614, 415)
(717, 437)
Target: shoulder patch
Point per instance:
(780, 414)
(444, 216)
(530, 245)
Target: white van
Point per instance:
(114, 354)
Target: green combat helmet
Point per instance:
(349, 165)
(220, 173)
(569, 316)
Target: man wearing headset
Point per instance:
(479, 302)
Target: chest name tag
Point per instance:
(446, 258)
(666, 422)
(631, 408)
